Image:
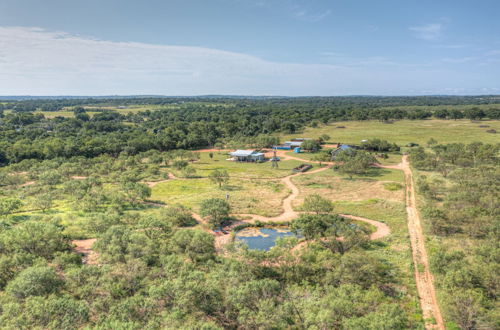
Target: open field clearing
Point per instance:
(336, 188)
(206, 165)
(439, 107)
(261, 197)
(403, 132)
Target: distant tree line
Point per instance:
(190, 125)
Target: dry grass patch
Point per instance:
(262, 197)
(336, 188)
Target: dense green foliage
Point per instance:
(192, 123)
(90, 176)
(462, 208)
(354, 162)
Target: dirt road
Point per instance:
(423, 276)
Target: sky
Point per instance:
(249, 47)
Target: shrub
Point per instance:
(392, 186)
(34, 281)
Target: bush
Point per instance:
(34, 281)
(392, 186)
(179, 216)
(35, 238)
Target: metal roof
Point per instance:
(242, 153)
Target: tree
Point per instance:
(9, 205)
(219, 177)
(312, 226)
(44, 200)
(37, 238)
(34, 281)
(196, 244)
(50, 178)
(474, 113)
(441, 113)
(464, 307)
(217, 209)
(189, 172)
(135, 192)
(180, 164)
(456, 114)
(178, 215)
(311, 145)
(317, 204)
(331, 231)
(354, 162)
(324, 138)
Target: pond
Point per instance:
(262, 238)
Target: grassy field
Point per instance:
(335, 187)
(404, 131)
(254, 196)
(439, 107)
(206, 165)
(393, 158)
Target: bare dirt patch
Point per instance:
(84, 246)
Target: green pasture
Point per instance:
(263, 197)
(440, 107)
(405, 131)
(206, 165)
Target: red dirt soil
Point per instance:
(84, 246)
(424, 278)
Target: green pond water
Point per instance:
(263, 238)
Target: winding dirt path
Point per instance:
(288, 212)
(382, 229)
(423, 275)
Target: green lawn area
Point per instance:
(263, 197)
(333, 186)
(240, 169)
(393, 159)
(404, 131)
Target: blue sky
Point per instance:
(249, 47)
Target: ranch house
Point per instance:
(247, 156)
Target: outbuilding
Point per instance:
(341, 147)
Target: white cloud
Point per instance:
(304, 15)
(493, 52)
(40, 62)
(432, 31)
(453, 46)
(460, 59)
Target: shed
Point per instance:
(341, 147)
